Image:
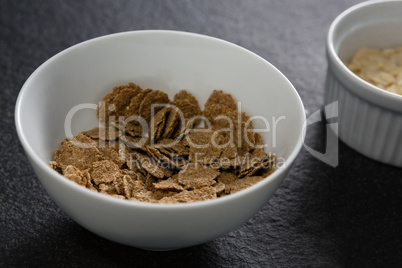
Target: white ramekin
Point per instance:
(369, 118)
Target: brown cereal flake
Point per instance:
(186, 196)
(165, 160)
(204, 147)
(146, 162)
(226, 177)
(157, 195)
(173, 123)
(158, 123)
(112, 103)
(195, 176)
(243, 132)
(255, 162)
(135, 142)
(76, 175)
(123, 98)
(219, 188)
(171, 152)
(218, 97)
(218, 108)
(258, 141)
(152, 103)
(80, 152)
(241, 184)
(135, 103)
(218, 115)
(108, 189)
(128, 186)
(104, 172)
(185, 114)
(103, 133)
(188, 105)
(54, 165)
(180, 133)
(114, 155)
(170, 158)
(170, 184)
(134, 129)
(173, 148)
(140, 192)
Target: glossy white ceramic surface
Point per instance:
(169, 61)
(370, 119)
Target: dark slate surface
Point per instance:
(321, 216)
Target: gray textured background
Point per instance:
(319, 217)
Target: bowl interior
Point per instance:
(69, 86)
(376, 24)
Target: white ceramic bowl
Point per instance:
(370, 118)
(168, 61)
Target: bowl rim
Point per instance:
(33, 156)
(357, 85)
